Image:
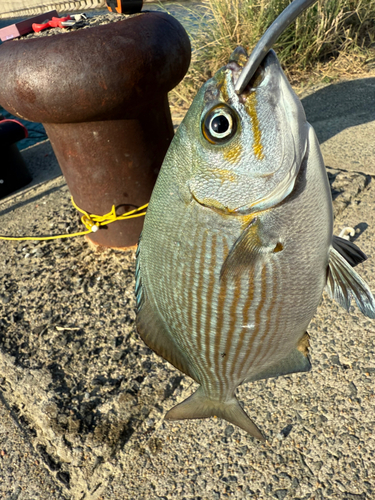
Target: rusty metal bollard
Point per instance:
(101, 94)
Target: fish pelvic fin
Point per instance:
(138, 281)
(351, 253)
(343, 284)
(198, 405)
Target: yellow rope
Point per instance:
(91, 221)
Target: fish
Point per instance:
(237, 244)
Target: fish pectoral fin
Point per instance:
(198, 405)
(154, 333)
(248, 250)
(351, 253)
(343, 284)
(297, 361)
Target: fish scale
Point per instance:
(233, 259)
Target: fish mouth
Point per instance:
(237, 62)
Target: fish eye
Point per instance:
(219, 124)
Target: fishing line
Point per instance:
(91, 221)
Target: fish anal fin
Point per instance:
(248, 250)
(154, 333)
(297, 361)
(343, 284)
(198, 405)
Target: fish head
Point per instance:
(250, 146)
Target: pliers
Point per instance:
(55, 22)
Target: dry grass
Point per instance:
(331, 39)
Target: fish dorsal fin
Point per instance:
(248, 250)
(343, 284)
(198, 405)
(351, 253)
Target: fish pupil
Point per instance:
(220, 124)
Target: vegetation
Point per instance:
(332, 36)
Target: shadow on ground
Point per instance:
(345, 104)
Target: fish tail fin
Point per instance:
(198, 405)
(343, 284)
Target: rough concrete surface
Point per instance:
(82, 399)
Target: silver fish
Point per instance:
(238, 242)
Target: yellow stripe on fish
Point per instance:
(250, 106)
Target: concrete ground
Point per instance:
(82, 399)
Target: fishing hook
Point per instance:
(280, 24)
